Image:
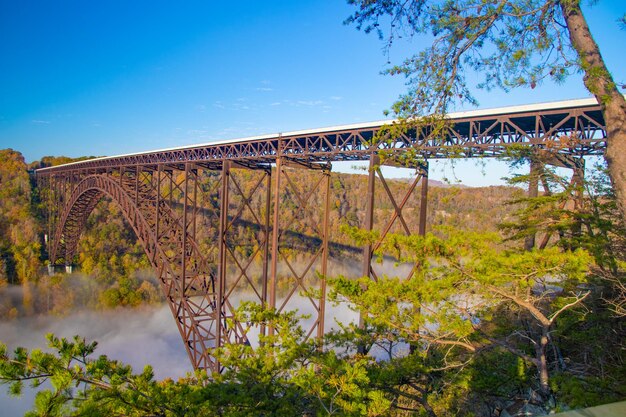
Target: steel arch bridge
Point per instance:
(205, 239)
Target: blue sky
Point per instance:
(103, 78)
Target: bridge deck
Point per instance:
(573, 127)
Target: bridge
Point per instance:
(209, 243)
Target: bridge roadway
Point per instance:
(475, 133)
(222, 221)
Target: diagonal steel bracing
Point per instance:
(392, 208)
(294, 283)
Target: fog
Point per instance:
(135, 336)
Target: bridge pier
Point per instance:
(311, 213)
(221, 275)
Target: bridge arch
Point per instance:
(193, 315)
(79, 206)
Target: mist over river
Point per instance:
(149, 335)
(138, 337)
(135, 336)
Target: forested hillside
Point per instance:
(20, 246)
(113, 268)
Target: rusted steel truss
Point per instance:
(296, 285)
(576, 130)
(215, 240)
(394, 220)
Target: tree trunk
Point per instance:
(429, 410)
(542, 365)
(600, 83)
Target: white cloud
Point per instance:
(309, 102)
(40, 122)
(196, 132)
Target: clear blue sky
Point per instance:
(103, 78)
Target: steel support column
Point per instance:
(219, 310)
(423, 200)
(369, 214)
(157, 204)
(275, 236)
(366, 266)
(183, 251)
(266, 245)
(324, 266)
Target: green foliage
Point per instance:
(288, 374)
(50, 161)
(487, 322)
(285, 376)
(572, 213)
(586, 391)
(82, 385)
(505, 44)
(468, 297)
(19, 244)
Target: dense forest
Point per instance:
(485, 326)
(114, 270)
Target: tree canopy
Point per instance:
(507, 44)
